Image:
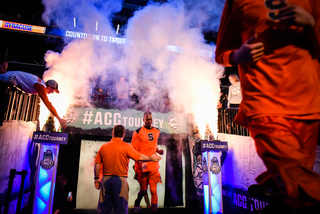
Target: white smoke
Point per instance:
(191, 80)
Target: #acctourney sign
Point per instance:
(131, 119)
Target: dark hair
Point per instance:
(2, 60)
(118, 131)
(147, 113)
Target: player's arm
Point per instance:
(295, 15)
(153, 158)
(135, 142)
(137, 156)
(159, 151)
(310, 22)
(44, 97)
(230, 51)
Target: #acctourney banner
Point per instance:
(91, 118)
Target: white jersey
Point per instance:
(26, 81)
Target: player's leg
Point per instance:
(147, 200)
(154, 178)
(287, 148)
(143, 181)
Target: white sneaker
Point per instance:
(136, 209)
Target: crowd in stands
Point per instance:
(31, 19)
(123, 95)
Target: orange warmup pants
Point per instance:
(152, 178)
(288, 149)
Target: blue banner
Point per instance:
(50, 137)
(214, 146)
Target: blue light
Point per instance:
(206, 198)
(41, 206)
(43, 176)
(45, 191)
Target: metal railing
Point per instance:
(226, 122)
(22, 106)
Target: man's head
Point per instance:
(3, 66)
(118, 131)
(52, 86)
(147, 119)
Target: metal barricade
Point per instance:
(226, 122)
(22, 106)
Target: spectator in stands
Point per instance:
(122, 88)
(276, 46)
(234, 95)
(62, 195)
(32, 84)
(3, 66)
(3, 89)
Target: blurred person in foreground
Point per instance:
(145, 140)
(32, 84)
(114, 156)
(276, 46)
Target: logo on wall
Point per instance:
(47, 162)
(71, 116)
(174, 123)
(215, 168)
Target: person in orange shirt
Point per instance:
(114, 156)
(145, 140)
(276, 46)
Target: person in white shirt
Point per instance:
(234, 95)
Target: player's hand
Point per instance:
(295, 15)
(155, 158)
(248, 52)
(97, 184)
(160, 152)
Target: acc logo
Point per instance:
(47, 162)
(174, 123)
(215, 168)
(70, 116)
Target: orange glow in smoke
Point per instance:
(205, 114)
(60, 102)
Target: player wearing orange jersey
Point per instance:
(276, 45)
(145, 140)
(114, 156)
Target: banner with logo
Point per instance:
(131, 119)
(18, 152)
(22, 27)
